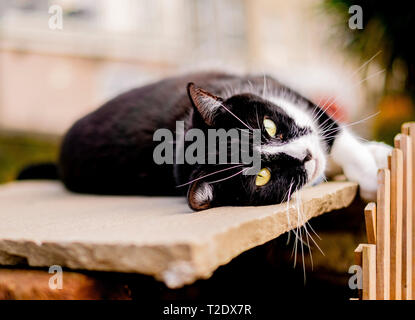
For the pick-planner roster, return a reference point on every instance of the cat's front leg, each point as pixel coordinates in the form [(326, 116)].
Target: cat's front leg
[(360, 161)]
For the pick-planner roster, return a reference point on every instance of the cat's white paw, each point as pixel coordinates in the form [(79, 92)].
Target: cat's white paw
[(368, 194), (368, 185), (380, 152), (360, 161), (368, 181)]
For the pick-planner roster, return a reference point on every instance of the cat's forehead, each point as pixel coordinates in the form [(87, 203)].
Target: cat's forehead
[(277, 107), (299, 114)]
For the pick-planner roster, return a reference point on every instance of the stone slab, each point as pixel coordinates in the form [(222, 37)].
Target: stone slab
[(41, 224)]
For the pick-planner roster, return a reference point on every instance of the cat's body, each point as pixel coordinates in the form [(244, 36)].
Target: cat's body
[(110, 151)]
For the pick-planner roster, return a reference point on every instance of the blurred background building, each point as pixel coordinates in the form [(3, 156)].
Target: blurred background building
[(49, 78)]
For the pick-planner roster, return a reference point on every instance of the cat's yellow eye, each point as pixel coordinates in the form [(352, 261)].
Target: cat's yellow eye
[(263, 177), (270, 127)]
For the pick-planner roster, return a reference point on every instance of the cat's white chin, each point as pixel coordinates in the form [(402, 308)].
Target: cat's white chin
[(315, 169)]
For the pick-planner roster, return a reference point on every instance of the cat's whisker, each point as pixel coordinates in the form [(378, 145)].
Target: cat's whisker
[(366, 63), (230, 163), (312, 229), (251, 86), (309, 236), (297, 238), (309, 247), (329, 127), (330, 134), (299, 224), (245, 130), (370, 76), (331, 131), (236, 116), (352, 75), (295, 249), (355, 85), (210, 174), (319, 109), (288, 207), (362, 120), (325, 107), (257, 118), (330, 117), (265, 87), (363, 139), (211, 182)]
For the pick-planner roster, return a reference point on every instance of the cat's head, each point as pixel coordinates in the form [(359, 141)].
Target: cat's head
[(292, 151)]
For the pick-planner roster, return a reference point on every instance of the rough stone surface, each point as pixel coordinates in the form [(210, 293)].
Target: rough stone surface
[(43, 225)]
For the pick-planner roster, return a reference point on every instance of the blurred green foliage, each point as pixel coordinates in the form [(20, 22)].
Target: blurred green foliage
[(20, 150), (387, 34), (388, 28)]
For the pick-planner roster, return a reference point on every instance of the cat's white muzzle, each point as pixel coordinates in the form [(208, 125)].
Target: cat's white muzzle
[(315, 167)]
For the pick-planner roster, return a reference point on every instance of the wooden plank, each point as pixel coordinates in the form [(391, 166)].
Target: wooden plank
[(409, 129), (396, 167), (369, 271), (402, 141), (383, 236), (370, 220)]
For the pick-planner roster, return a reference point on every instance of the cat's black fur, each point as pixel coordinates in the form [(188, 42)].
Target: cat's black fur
[(110, 151)]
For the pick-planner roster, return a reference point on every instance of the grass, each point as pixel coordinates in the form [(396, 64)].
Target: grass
[(18, 150)]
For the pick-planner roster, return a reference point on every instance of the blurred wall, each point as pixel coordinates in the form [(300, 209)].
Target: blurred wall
[(49, 78)]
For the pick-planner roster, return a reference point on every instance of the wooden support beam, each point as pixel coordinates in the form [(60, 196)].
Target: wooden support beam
[(396, 169), (370, 220), (383, 236)]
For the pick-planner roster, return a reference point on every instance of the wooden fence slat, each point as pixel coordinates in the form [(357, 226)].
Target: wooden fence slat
[(396, 164), (402, 141), (358, 260), (370, 221), (383, 236), (369, 271), (409, 129)]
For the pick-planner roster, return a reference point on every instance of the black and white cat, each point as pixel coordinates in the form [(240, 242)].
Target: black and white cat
[(110, 151)]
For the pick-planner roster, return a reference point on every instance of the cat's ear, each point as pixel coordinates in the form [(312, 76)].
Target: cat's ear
[(205, 103), (200, 195)]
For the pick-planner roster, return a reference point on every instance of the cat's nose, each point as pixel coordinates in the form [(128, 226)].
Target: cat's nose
[(308, 156)]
